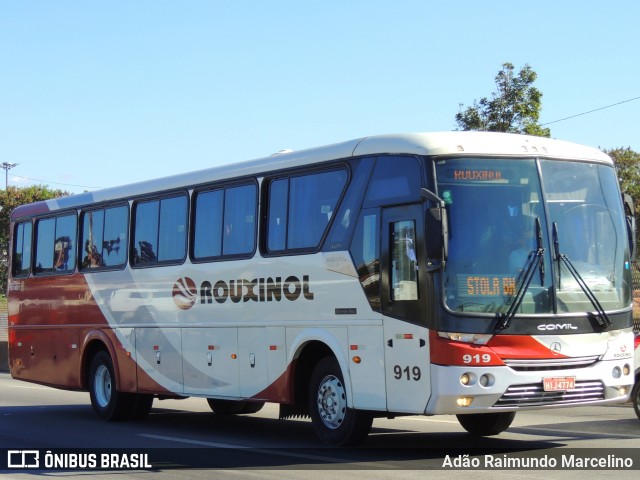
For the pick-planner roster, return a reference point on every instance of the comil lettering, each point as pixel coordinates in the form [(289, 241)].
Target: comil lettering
[(557, 326), (265, 289)]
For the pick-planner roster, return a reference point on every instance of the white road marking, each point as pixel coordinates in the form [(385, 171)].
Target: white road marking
[(266, 451)]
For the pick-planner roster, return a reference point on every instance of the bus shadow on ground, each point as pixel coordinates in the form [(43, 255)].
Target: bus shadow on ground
[(185, 439)]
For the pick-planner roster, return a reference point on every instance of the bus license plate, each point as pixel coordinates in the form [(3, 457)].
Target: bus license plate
[(555, 384)]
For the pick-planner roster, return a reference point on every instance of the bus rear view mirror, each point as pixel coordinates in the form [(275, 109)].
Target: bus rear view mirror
[(630, 215), (436, 221)]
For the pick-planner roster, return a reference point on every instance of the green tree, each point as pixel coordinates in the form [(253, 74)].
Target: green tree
[(514, 107), (627, 163), (11, 198)]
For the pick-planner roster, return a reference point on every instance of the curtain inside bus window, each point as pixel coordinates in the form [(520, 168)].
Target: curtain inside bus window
[(172, 236), (277, 226), (114, 241), (239, 220), (312, 201), (92, 238), (65, 248), (146, 233), (207, 239)]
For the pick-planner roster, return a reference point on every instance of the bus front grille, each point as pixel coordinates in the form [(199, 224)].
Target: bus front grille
[(523, 365), (533, 395)]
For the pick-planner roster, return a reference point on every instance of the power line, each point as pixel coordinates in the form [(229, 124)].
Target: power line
[(56, 183), (591, 111)]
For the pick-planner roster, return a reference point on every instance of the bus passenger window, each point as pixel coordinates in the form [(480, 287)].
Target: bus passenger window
[(365, 251), (160, 231), (301, 208), (395, 180), (104, 235), (146, 233), (225, 222), (55, 244), (22, 249), (239, 220), (92, 226), (277, 230), (404, 264)]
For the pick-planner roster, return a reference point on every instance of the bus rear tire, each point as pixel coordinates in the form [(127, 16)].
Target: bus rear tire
[(108, 403), (486, 424), (333, 421)]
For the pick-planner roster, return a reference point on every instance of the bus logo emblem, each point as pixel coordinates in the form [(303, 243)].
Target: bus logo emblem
[(185, 293)]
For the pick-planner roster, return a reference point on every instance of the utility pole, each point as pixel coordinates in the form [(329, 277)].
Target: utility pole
[(6, 166)]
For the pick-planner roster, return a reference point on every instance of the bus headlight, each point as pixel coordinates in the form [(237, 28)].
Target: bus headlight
[(473, 338)]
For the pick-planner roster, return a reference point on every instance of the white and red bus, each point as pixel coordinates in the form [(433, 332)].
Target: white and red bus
[(475, 274)]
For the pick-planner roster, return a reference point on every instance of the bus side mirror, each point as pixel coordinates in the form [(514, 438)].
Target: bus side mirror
[(629, 212), (436, 221)]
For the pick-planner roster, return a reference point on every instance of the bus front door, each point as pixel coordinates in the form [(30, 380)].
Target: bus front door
[(402, 300)]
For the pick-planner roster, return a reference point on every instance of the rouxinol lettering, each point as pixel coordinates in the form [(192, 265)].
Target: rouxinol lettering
[(257, 290)]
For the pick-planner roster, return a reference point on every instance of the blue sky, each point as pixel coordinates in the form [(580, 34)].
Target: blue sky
[(101, 93)]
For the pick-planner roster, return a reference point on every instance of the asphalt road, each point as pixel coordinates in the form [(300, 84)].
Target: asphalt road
[(189, 441)]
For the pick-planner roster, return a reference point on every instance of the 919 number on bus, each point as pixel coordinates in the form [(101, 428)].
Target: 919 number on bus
[(477, 358), (411, 373)]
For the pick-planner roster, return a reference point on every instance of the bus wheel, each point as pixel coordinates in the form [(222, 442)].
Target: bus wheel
[(107, 402), (334, 422), (635, 396), (233, 407), (486, 424)]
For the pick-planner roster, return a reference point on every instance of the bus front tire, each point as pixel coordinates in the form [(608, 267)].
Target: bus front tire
[(635, 397), (333, 421), (108, 403), (486, 424)]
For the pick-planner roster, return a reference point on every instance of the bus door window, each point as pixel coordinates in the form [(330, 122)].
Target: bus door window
[(402, 261), (404, 264)]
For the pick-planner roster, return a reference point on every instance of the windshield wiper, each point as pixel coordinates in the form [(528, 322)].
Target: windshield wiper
[(603, 319), (535, 259)]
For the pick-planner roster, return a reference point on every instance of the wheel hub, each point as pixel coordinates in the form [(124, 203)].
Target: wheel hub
[(332, 402), (102, 384)]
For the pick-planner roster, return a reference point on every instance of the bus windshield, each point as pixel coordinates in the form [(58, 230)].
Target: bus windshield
[(505, 212)]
